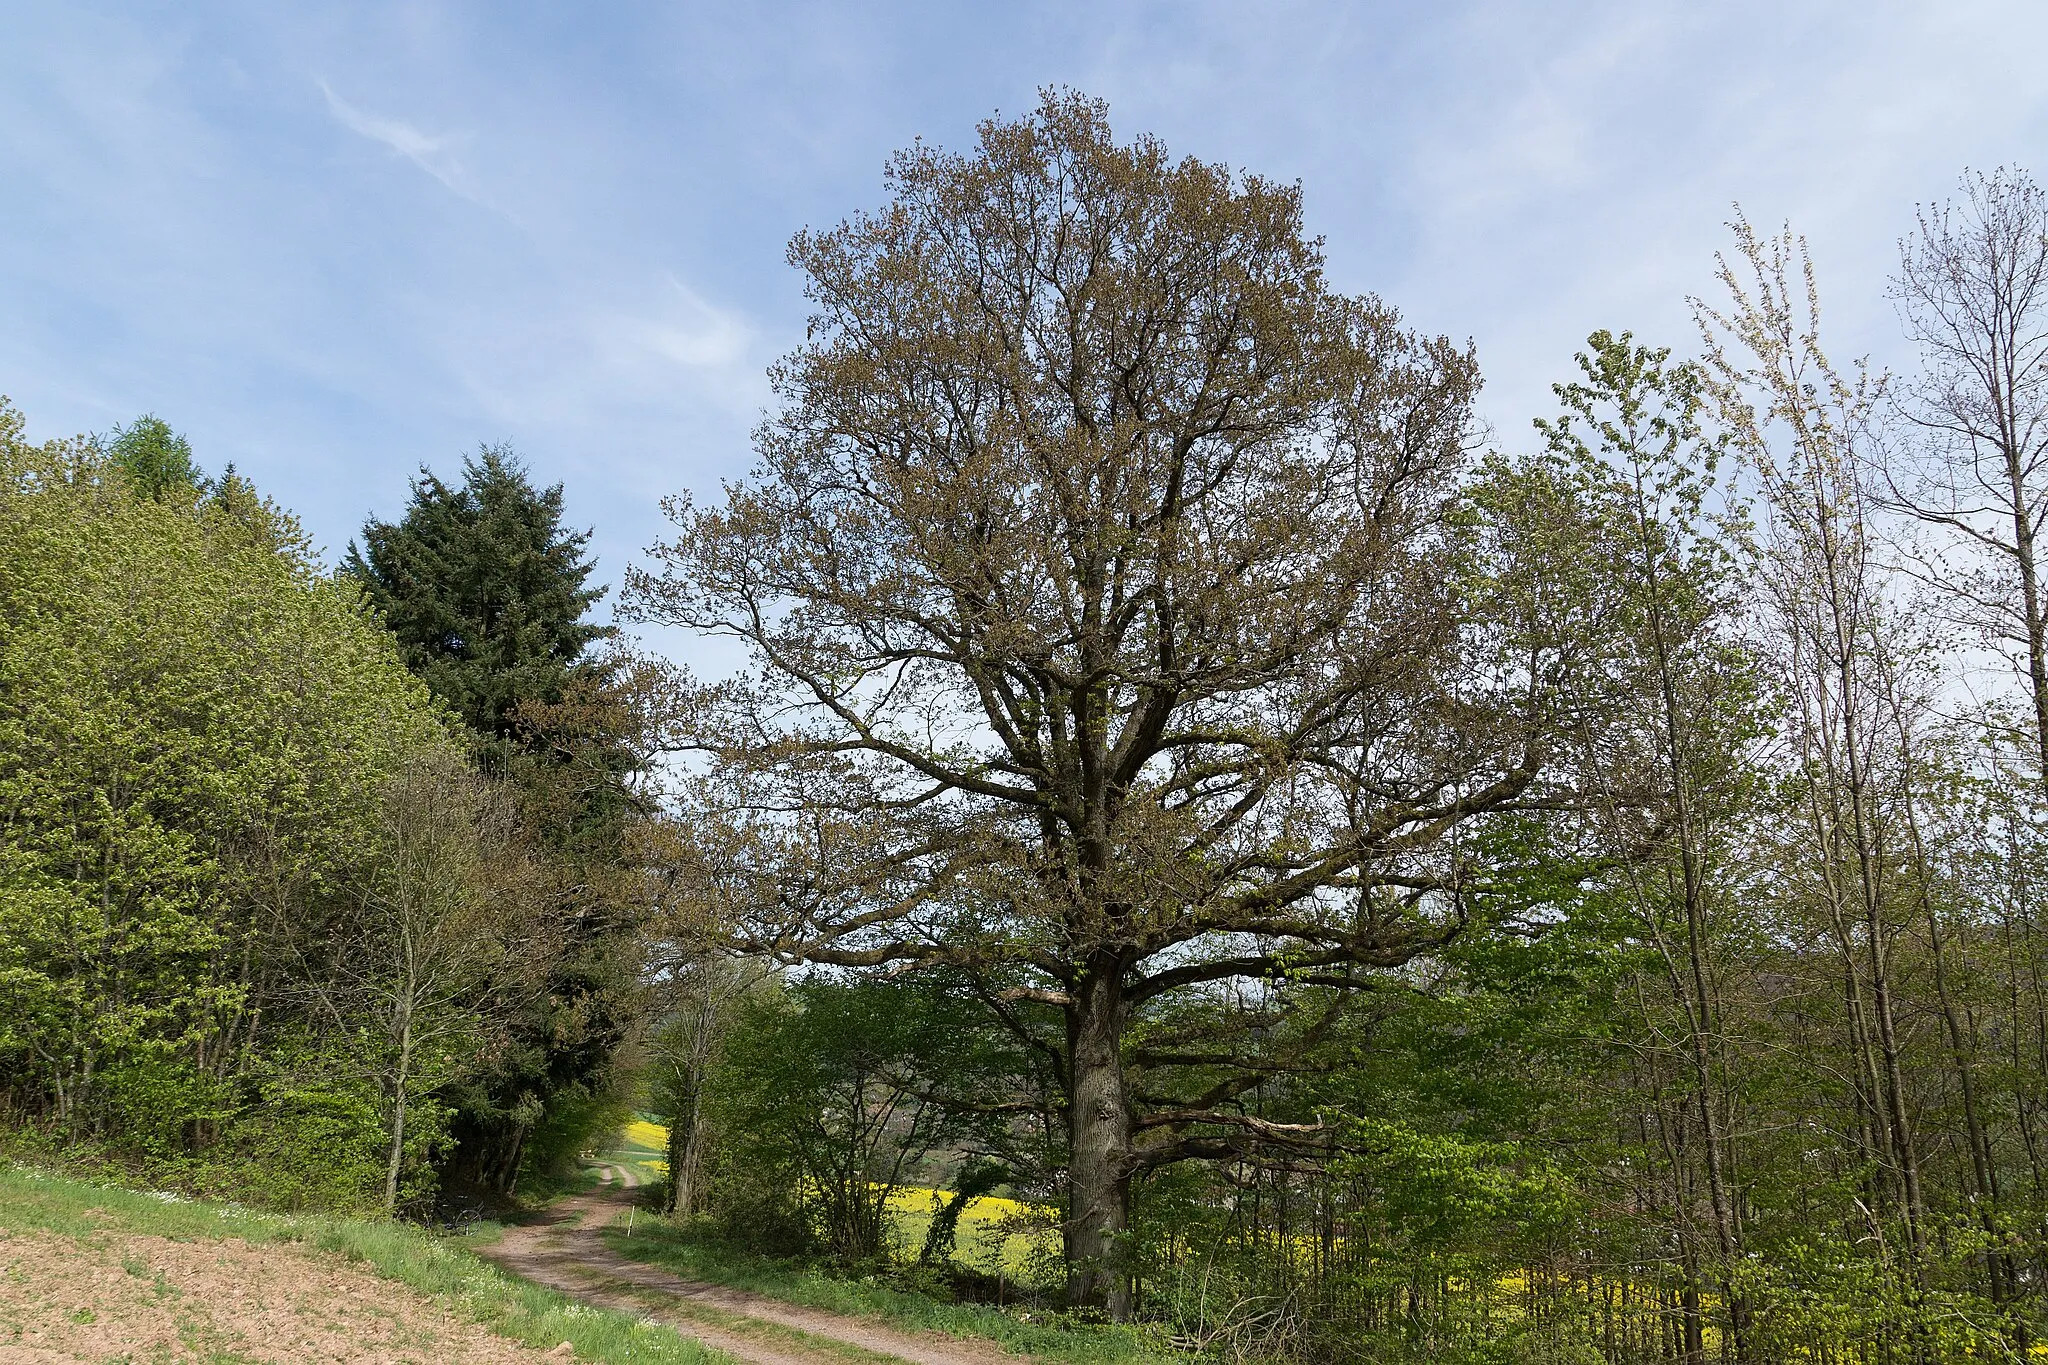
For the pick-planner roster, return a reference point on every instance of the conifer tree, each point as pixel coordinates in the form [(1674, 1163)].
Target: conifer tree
[(155, 458), (489, 596), (485, 590)]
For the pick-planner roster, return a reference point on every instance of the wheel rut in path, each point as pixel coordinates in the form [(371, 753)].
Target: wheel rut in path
[(566, 1252)]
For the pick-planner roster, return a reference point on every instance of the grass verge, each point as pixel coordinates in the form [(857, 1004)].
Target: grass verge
[(435, 1266), (1043, 1335)]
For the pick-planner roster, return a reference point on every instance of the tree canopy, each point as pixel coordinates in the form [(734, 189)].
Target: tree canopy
[(198, 728)]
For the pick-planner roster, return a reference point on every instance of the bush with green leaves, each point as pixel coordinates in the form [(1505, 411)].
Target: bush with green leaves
[(198, 729), (829, 1096)]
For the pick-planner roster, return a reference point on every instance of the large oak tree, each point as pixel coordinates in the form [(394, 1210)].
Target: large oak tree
[(1109, 598)]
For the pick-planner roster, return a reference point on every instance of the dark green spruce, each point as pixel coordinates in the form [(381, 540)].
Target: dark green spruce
[(486, 591), (490, 598)]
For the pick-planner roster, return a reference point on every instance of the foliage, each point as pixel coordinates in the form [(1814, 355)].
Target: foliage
[(833, 1094), (198, 733), (483, 588), (156, 461)]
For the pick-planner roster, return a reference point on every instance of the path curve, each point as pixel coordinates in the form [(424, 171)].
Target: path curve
[(566, 1252)]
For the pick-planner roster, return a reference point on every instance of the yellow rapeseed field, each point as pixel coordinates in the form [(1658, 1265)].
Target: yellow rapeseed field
[(1006, 1235), (995, 1235), (652, 1136), (644, 1146)]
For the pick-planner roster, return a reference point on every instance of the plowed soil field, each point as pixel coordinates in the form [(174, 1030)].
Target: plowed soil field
[(113, 1296)]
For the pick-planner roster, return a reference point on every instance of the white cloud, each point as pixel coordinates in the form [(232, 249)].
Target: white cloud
[(433, 153), (696, 334)]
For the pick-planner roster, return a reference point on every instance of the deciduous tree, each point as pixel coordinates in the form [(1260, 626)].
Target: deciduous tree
[(1110, 612), (1973, 290)]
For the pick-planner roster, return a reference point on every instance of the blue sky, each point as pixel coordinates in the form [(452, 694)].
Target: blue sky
[(332, 242)]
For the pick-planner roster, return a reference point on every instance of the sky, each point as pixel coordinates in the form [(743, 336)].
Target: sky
[(333, 242)]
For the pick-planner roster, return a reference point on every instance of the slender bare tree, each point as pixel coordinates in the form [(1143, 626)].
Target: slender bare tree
[(1972, 289), (1808, 430), (439, 945)]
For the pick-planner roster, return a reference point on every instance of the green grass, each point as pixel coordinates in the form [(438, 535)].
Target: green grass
[(1035, 1332), (439, 1267)]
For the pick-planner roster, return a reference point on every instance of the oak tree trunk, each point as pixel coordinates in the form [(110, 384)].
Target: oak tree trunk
[(1099, 1127)]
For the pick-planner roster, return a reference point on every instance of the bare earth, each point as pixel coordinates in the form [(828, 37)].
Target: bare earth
[(122, 1297), (567, 1254)]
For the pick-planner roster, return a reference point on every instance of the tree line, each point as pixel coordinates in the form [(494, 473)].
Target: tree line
[(1366, 890), (312, 883)]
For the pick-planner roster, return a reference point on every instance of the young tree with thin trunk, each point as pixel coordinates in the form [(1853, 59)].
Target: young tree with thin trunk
[(443, 929), (699, 996), (1630, 442), (1972, 288), (1807, 431), (1107, 591)]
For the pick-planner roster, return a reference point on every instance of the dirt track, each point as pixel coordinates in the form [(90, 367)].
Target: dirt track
[(566, 1253)]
